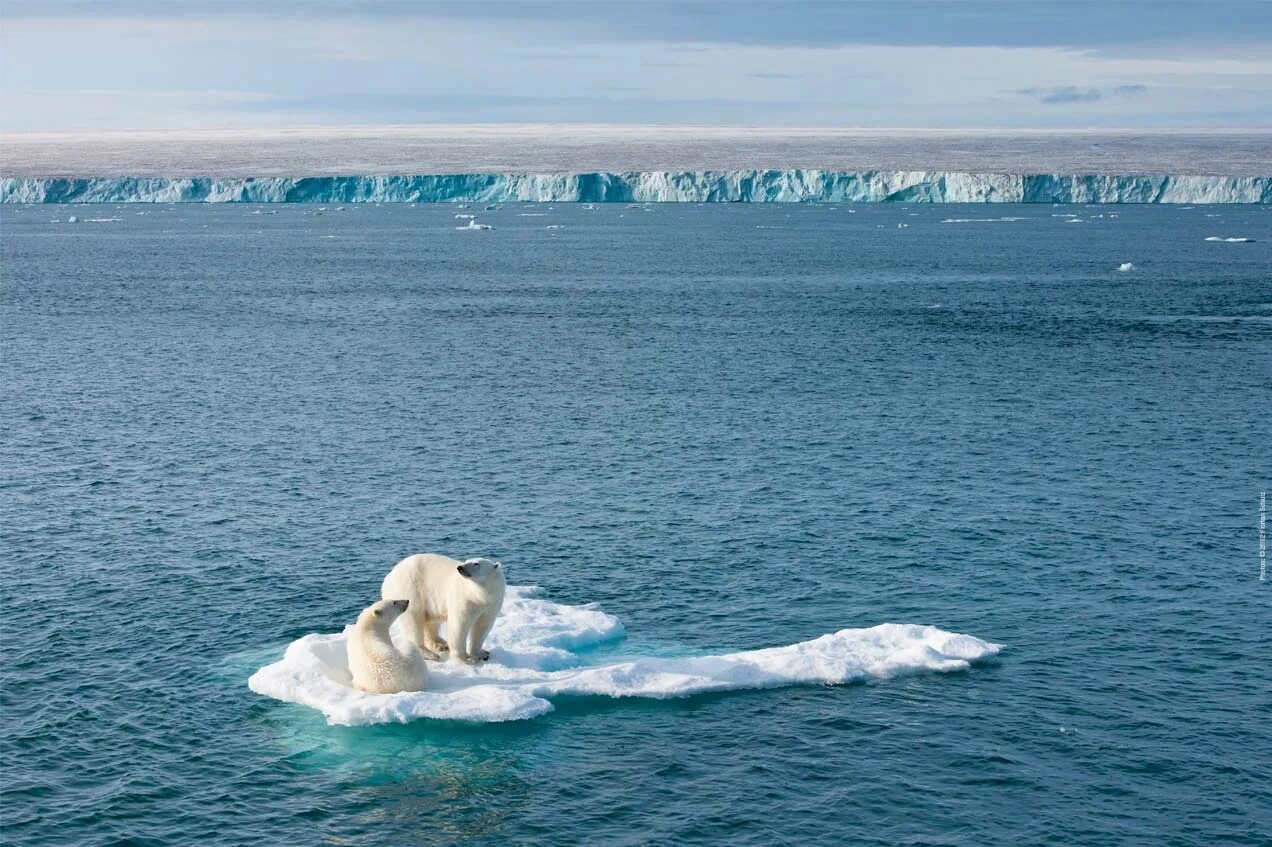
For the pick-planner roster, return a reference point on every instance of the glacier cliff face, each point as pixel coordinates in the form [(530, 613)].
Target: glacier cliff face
[(763, 186)]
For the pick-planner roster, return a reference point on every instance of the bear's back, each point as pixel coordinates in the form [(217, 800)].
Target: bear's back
[(422, 579), (378, 666)]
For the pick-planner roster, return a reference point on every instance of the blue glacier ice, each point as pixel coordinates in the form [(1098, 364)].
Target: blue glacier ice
[(733, 186)]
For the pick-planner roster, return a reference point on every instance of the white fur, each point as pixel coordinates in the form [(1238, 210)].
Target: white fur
[(375, 663), (466, 596)]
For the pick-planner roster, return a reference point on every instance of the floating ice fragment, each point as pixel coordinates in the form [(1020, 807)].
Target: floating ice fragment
[(473, 225), (980, 220), (535, 656), (1231, 240), (1126, 267)]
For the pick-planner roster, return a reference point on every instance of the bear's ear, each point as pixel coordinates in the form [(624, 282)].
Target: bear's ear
[(377, 612)]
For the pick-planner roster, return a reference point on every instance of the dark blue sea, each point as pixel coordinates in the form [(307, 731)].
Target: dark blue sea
[(731, 426)]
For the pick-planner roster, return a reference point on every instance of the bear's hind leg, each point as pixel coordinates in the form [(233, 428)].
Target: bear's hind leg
[(419, 633), (433, 637)]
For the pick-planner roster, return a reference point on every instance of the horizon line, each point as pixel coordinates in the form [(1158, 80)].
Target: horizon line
[(620, 128)]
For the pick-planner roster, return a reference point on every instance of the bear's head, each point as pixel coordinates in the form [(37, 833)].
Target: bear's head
[(383, 613), (480, 569)]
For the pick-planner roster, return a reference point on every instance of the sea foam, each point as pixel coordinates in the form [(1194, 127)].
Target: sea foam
[(538, 651)]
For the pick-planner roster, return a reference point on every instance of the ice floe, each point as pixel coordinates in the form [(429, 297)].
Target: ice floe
[(539, 650)]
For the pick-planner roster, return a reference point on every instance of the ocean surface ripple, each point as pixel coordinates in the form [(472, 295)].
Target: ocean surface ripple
[(732, 427)]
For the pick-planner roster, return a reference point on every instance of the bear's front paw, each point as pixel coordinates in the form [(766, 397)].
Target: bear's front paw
[(442, 646), (483, 655)]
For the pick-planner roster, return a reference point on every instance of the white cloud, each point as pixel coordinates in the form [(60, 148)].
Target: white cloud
[(237, 71)]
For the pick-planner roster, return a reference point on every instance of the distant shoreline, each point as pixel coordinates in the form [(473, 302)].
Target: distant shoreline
[(575, 149), (701, 186)]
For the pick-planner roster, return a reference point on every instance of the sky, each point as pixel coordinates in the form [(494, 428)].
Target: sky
[(196, 64)]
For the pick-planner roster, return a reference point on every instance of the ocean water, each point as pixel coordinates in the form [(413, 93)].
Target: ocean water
[(731, 427)]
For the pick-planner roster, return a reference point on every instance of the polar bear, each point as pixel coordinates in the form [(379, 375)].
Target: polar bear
[(466, 596), (375, 663)]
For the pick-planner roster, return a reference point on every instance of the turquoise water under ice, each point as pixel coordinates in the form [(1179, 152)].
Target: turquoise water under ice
[(732, 427)]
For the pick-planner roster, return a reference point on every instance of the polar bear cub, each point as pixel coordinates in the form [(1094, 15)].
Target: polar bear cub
[(375, 663), (466, 596)]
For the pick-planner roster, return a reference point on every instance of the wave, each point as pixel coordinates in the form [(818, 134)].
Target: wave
[(535, 655), (757, 186)]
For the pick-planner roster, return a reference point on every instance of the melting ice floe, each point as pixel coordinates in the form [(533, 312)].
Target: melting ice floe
[(1126, 267), (534, 657), (1230, 240)]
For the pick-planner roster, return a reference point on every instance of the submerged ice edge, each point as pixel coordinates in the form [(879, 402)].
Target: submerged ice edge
[(748, 186), (533, 661)]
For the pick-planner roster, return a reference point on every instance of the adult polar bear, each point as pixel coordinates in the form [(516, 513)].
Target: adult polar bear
[(466, 596)]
